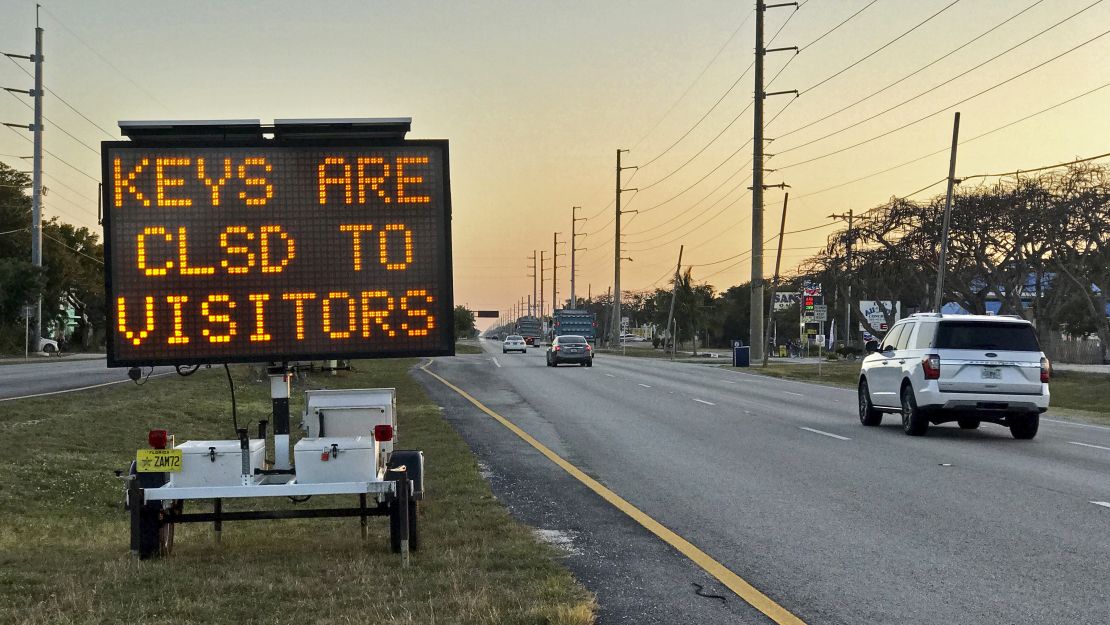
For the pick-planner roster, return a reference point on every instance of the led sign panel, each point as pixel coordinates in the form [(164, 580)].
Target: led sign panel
[(269, 253)]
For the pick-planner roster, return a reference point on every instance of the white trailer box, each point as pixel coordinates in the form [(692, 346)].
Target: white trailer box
[(350, 412), (215, 463), (336, 459)]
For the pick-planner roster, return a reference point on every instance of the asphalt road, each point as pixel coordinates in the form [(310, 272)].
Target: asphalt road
[(778, 481), (54, 375)]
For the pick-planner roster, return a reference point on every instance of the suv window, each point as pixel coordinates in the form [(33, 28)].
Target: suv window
[(571, 340), (926, 332), (1001, 336), (891, 337), (903, 340)]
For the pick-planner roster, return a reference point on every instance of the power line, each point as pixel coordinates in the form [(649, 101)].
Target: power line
[(14, 231), (63, 101), (74, 168), (705, 197), (907, 76), (695, 81), (1029, 171), (55, 125), (688, 233), (822, 36), (73, 249), (699, 152), (949, 107), (698, 181), (882, 47), (104, 59), (938, 86), (946, 149)]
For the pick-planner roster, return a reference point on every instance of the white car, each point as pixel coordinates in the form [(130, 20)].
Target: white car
[(512, 343), (934, 368)]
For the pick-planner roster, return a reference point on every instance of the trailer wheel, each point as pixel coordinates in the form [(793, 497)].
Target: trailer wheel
[(155, 532), (395, 526)]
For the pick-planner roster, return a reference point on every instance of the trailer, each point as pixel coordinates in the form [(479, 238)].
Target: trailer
[(348, 450)]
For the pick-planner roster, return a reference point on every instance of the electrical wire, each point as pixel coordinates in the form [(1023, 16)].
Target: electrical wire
[(63, 101), (962, 142), (1035, 169), (699, 180), (54, 124), (906, 77), (72, 249), (949, 107), (51, 154), (703, 149), (695, 81), (882, 47), (668, 223), (822, 36), (939, 85), (692, 219), (234, 410)]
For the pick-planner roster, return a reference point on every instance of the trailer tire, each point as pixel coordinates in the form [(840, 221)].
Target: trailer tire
[(155, 532)]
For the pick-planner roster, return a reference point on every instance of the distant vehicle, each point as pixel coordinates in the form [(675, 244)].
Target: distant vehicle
[(570, 348), (934, 368), (568, 321), (531, 328), (514, 342), (627, 337), (48, 346)]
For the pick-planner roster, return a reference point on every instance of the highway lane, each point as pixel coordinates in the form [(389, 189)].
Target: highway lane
[(838, 523), (52, 376)]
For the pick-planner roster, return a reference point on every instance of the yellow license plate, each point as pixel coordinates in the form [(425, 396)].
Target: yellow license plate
[(158, 460)]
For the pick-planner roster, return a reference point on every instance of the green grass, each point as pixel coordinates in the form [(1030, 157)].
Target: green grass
[(64, 535), (1074, 393), (467, 348)]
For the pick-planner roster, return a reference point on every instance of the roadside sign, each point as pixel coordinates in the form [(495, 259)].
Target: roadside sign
[(820, 312), (624, 323), (873, 312), (487, 314), (784, 301), (28, 311), (267, 251)]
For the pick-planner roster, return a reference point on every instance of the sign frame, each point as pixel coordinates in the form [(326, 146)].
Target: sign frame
[(444, 308)]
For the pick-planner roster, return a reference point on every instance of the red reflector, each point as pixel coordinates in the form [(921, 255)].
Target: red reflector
[(158, 439), (931, 366), (383, 433), (325, 456), (1046, 370)]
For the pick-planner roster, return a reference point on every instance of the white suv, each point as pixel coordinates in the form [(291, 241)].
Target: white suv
[(934, 368)]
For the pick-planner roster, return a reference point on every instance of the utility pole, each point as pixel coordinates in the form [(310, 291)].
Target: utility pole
[(616, 320), (938, 300), (756, 327), (36, 174), (555, 271), (541, 285), (847, 274), (574, 219), (775, 281), (674, 291), (533, 276)]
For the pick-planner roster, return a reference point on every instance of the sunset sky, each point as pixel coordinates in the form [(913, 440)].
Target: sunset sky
[(536, 97)]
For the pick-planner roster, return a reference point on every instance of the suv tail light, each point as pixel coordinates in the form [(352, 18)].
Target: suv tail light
[(931, 366), (1046, 369), (555, 349), (158, 439)]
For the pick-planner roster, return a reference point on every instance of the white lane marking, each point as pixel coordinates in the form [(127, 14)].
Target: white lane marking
[(702, 401), (793, 393), (728, 382), (495, 362), (1104, 504), (645, 385), (1088, 445), (610, 375), (1078, 425), (829, 434), (83, 388)]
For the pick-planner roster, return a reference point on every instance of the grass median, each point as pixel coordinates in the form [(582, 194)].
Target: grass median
[(1074, 393), (64, 535)]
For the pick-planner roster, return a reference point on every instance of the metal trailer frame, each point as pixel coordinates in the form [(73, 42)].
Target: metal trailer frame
[(152, 520)]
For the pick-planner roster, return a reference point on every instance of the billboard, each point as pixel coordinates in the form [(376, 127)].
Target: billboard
[(871, 311), (266, 252)]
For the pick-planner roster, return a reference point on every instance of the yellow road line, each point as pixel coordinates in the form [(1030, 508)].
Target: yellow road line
[(734, 582)]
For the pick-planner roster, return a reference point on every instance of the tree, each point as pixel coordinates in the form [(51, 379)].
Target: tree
[(464, 323)]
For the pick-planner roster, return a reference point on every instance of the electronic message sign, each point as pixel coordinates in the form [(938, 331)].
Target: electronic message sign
[(268, 252)]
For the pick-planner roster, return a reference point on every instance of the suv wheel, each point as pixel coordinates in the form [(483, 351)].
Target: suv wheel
[(914, 422), (1023, 427), (868, 415), (968, 424)]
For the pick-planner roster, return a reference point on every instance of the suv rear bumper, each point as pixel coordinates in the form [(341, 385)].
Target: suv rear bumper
[(980, 404)]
